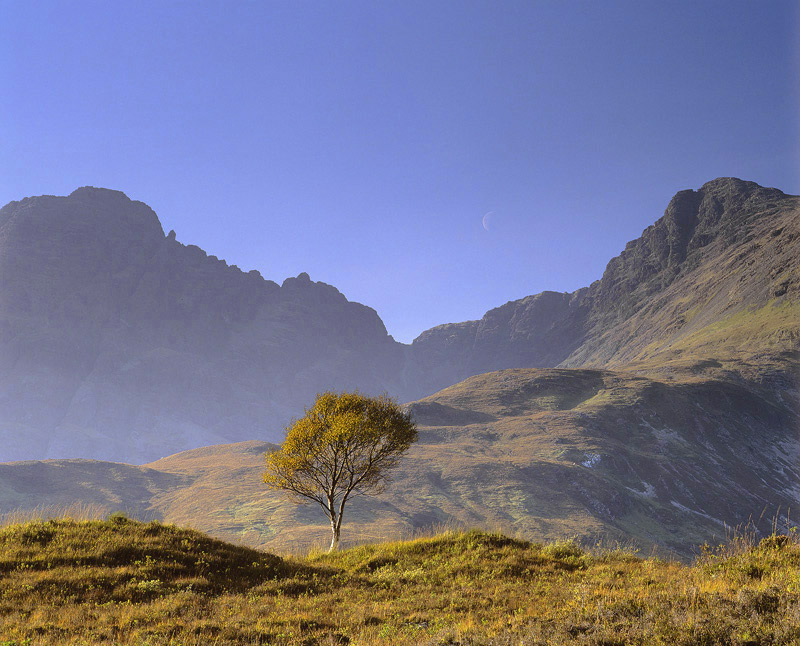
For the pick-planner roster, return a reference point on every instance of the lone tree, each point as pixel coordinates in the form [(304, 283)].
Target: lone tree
[(343, 446)]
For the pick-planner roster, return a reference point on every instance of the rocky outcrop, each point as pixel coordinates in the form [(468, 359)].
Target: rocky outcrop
[(714, 254), (539, 330), (724, 210)]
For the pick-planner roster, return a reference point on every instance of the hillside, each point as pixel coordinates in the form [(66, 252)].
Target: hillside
[(672, 462), (125, 582), (117, 342)]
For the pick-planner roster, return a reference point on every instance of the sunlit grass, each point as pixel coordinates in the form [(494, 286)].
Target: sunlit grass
[(75, 511), (126, 582)]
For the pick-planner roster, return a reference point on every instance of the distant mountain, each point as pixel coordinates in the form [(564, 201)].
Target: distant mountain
[(660, 404), (118, 342), (717, 279)]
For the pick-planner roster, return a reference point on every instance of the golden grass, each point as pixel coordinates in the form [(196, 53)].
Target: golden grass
[(75, 511), (125, 582)]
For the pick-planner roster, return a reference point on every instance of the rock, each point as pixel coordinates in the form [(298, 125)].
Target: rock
[(709, 256)]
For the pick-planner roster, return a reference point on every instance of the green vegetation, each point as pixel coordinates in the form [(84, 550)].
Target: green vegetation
[(773, 326), (120, 581), (762, 335), (344, 445)]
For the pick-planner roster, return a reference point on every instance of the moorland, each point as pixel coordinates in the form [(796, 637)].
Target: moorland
[(125, 582)]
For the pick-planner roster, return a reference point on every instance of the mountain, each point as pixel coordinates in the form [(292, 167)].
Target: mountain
[(716, 279), (660, 404), (118, 342)]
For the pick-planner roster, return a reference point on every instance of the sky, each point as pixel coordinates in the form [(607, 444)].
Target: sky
[(365, 142)]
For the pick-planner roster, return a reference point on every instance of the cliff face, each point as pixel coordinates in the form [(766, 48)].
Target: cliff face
[(732, 248), (729, 248), (537, 330), (119, 342)]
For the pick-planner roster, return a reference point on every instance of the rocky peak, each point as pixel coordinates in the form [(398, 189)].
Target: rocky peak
[(722, 209), (87, 216), (303, 289), (110, 329), (301, 281), (679, 221), (733, 187), (116, 208), (647, 294), (106, 195)]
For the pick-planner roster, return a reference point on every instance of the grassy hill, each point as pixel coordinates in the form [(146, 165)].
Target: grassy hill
[(124, 582), (671, 460)]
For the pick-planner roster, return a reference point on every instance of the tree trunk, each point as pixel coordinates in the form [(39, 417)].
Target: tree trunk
[(335, 538)]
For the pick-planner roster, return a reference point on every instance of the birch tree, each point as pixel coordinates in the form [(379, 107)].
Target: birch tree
[(343, 446)]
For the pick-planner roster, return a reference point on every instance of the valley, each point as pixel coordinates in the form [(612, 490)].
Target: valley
[(658, 405)]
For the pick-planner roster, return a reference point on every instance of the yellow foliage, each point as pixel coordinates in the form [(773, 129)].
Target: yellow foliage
[(345, 444)]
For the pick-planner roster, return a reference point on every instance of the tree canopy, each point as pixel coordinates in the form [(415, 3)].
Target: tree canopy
[(344, 445)]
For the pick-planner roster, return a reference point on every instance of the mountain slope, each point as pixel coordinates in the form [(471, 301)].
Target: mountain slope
[(685, 290), (118, 342), (545, 453)]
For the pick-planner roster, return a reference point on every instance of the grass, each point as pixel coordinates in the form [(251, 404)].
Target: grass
[(752, 333), (773, 324), (121, 581), (74, 511), (526, 436)]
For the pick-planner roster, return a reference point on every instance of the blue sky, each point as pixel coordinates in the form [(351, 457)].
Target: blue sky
[(363, 142)]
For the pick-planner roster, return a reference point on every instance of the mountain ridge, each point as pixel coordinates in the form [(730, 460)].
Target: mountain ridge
[(553, 329), (100, 309), (119, 342)]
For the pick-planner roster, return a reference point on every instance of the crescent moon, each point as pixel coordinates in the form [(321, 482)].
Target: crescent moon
[(486, 218)]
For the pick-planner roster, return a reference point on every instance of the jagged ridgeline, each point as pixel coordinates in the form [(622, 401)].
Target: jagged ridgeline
[(119, 342), (714, 283)]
